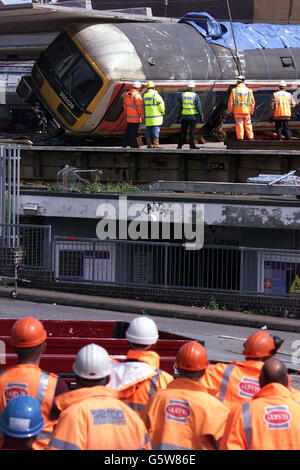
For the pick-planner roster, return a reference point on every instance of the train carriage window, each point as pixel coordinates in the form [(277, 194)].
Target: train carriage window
[(79, 80), (287, 62)]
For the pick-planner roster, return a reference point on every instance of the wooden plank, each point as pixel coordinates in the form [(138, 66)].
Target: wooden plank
[(263, 144)]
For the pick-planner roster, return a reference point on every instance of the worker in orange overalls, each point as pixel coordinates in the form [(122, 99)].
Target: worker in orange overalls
[(241, 103), (281, 111), (92, 417), (28, 337), (134, 110), (237, 382), (184, 416), (271, 420), (139, 376)]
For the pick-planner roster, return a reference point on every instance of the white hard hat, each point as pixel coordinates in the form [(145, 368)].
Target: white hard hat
[(142, 330), (282, 83), (92, 362), (241, 78), (191, 84), (137, 84)]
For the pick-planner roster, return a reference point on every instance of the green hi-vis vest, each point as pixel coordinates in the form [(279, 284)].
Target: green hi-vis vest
[(154, 108), (189, 103)]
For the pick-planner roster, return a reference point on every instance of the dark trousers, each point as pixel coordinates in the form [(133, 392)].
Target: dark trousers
[(131, 133), (282, 127), (185, 125)]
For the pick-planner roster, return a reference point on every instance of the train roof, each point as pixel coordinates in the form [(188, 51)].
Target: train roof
[(28, 17)]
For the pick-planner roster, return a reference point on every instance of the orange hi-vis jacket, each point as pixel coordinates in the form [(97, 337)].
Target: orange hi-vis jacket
[(241, 100), (138, 378), (233, 383), (184, 417), (270, 421), (236, 383), (134, 106), (281, 104), (29, 379), (94, 419)]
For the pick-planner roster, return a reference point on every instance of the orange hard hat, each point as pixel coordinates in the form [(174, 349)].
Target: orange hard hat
[(27, 333), (261, 344), (192, 356)]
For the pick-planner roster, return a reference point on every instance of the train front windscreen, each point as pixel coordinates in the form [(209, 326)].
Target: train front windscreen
[(69, 73)]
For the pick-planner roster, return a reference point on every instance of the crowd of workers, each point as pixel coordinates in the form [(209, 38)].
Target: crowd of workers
[(150, 107), (134, 405)]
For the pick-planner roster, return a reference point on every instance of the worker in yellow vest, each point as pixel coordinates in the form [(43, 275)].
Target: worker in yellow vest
[(154, 110), (241, 104), (189, 108), (281, 111)]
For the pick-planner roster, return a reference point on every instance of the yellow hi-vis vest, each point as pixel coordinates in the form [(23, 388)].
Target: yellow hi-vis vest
[(154, 108), (189, 103), (283, 104)]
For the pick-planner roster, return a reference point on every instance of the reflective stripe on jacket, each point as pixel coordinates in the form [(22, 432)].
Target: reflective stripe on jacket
[(241, 100), (138, 378), (281, 105), (29, 379), (133, 106), (154, 108), (270, 421), (184, 417), (94, 419), (233, 383), (189, 103)]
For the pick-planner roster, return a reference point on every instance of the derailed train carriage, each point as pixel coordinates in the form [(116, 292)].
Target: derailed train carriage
[(79, 81)]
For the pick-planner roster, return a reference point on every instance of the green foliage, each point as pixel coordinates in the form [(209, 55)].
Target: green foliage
[(97, 187), (213, 305)]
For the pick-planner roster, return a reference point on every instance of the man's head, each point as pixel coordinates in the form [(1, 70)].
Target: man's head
[(92, 366), (137, 85), (28, 337), (150, 84), (22, 418), (282, 85), (273, 370), (191, 85), (261, 346), (142, 333), (240, 79), (191, 360)]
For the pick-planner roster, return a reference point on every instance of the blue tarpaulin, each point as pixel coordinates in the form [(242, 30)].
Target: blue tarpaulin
[(247, 36)]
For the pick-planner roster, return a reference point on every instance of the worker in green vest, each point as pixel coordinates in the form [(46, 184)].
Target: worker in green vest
[(189, 108), (154, 110)]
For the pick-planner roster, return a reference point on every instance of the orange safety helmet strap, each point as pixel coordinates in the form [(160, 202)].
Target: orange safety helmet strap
[(27, 333), (192, 356)]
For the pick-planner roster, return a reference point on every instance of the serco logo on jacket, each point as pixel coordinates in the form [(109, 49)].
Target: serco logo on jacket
[(94, 418)]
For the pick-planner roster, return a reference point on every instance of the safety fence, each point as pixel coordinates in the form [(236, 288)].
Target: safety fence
[(171, 265), (29, 246), (91, 262)]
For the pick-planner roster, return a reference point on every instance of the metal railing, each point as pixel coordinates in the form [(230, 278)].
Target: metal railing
[(170, 265), (9, 193), (29, 246)]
